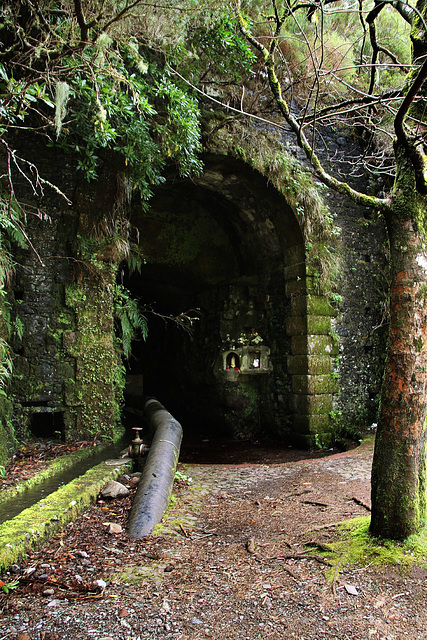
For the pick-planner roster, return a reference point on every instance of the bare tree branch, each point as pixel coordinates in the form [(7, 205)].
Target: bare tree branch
[(416, 154), (382, 204), (81, 20)]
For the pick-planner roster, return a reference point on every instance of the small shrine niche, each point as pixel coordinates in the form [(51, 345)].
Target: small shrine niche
[(232, 361), (255, 360), (247, 360)]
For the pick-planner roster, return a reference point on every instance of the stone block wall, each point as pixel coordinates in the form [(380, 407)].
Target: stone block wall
[(310, 360), (361, 322), (66, 366)]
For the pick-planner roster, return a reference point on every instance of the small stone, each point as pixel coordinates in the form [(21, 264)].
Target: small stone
[(48, 592), (125, 624), (54, 603), (351, 589), (114, 489), (113, 527), (196, 621), (100, 583), (81, 554), (123, 613), (250, 545), (166, 608)]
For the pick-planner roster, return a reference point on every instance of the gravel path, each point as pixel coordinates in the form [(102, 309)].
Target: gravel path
[(227, 563)]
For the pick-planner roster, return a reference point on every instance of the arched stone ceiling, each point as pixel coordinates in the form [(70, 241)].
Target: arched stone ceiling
[(227, 224)]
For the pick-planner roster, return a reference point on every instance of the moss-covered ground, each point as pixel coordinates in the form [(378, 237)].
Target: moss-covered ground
[(354, 546)]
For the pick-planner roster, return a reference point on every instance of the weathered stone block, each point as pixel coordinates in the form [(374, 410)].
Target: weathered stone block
[(295, 271), (296, 326), (304, 423), (312, 325), (311, 404), (299, 305), (302, 285), (314, 384), (312, 345), (311, 305), (295, 254), (318, 325), (295, 287), (314, 365)]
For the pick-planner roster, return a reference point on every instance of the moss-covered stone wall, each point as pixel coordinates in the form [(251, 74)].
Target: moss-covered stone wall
[(92, 396), (67, 372), (250, 245)]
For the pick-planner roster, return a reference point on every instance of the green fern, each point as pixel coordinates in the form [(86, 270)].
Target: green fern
[(11, 232), (10, 216), (131, 322)]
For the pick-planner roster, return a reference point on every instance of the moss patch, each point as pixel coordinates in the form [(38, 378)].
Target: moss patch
[(93, 394), (40, 521), (7, 439), (356, 547)]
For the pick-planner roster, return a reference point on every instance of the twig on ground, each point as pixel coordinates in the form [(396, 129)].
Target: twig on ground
[(361, 503), (330, 525), (334, 581), (301, 556)]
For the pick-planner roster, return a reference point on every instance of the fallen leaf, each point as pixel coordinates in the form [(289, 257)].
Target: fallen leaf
[(250, 545)]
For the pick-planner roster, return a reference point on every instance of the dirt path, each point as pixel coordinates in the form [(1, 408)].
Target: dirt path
[(230, 562)]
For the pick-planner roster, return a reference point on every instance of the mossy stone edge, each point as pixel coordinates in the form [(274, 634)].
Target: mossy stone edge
[(56, 466), (31, 527)]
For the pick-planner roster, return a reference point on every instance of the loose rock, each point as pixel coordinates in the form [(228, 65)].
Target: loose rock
[(113, 528), (114, 489)]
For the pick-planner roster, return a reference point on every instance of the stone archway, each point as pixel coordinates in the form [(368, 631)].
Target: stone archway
[(229, 244)]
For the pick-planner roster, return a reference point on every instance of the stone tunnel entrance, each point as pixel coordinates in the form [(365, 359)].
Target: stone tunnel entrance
[(228, 246)]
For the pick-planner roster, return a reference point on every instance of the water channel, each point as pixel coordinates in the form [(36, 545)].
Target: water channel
[(11, 508)]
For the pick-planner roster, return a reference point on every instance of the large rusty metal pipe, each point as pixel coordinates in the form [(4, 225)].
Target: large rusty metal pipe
[(155, 486)]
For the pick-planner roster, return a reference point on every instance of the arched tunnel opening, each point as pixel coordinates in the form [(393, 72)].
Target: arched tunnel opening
[(212, 290)]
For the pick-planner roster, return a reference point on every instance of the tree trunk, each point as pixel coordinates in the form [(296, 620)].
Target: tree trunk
[(399, 466)]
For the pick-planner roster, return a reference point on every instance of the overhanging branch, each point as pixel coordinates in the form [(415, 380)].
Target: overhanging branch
[(382, 204)]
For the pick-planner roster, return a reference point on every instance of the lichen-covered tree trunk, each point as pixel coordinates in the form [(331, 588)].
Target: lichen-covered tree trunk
[(399, 466)]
